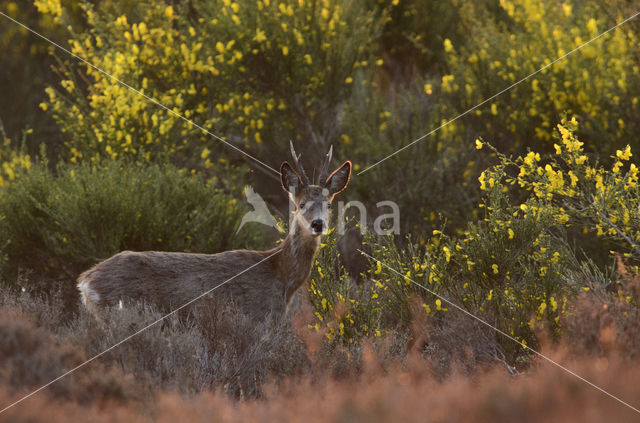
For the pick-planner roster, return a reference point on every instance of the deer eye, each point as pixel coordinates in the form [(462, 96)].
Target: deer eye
[(302, 205)]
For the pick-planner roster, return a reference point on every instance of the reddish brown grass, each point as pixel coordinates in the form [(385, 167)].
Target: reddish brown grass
[(364, 384)]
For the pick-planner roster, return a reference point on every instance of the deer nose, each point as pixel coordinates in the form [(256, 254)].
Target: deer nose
[(317, 225)]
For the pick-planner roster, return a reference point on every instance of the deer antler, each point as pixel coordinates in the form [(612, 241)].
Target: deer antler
[(299, 168), (325, 167)]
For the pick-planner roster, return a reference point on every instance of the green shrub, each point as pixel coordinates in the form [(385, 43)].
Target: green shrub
[(57, 224), (418, 179), (414, 33), (346, 311)]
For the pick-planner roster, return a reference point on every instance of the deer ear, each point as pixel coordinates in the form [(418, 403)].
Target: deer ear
[(290, 179), (339, 179)]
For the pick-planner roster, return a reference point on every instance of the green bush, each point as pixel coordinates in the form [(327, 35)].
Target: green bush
[(413, 35), (418, 179), (57, 224), (346, 311)]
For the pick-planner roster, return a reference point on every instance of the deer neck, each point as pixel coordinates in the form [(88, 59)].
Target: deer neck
[(298, 251)]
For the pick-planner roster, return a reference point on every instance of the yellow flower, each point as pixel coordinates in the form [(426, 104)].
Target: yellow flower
[(558, 149), (447, 253), (446, 82), (531, 157), (624, 155), (616, 166), (448, 47), (260, 36), (482, 181), (495, 268), (68, 85), (479, 144), (554, 304)]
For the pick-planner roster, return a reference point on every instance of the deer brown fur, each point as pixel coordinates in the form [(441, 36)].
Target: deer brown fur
[(170, 280)]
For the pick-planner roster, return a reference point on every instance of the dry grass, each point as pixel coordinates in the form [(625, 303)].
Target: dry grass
[(213, 365)]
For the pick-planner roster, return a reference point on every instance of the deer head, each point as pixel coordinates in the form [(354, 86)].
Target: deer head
[(313, 201)]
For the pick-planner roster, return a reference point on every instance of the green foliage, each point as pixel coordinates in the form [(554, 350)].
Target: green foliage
[(418, 179), (414, 33), (506, 268), (58, 224), (346, 311)]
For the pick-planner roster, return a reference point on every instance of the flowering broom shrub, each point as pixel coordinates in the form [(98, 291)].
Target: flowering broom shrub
[(599, 200), (346, 311), (600, 83), (25, 67), (13, 161), (414, 33), (258, 72), (516, 266)]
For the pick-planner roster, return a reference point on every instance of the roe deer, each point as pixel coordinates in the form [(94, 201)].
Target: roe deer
[(170, 280)]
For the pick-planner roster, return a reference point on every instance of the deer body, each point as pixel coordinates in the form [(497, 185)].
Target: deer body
[(169, 280)]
